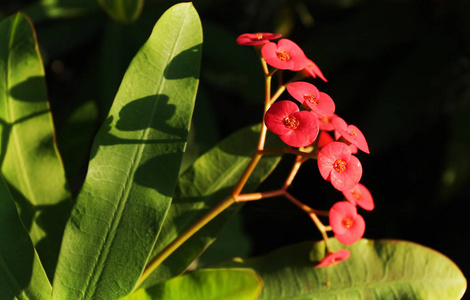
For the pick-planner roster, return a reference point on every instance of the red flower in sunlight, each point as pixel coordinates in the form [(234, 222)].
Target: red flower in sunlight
[(295, 128), (313, 70), (334, 258), (307, 94), (325, 122), (259, 38), (360, 195), (347, 225), (351, 133), (336, 164), (285, 55)]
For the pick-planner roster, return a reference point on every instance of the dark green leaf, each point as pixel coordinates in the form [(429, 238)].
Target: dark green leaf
[(207, 284), (200, 188), (53, 9), (125, 11), (383, 269), (135, 161), (21, 273), (29, 159)]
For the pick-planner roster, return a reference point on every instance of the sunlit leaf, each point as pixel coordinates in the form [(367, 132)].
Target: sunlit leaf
[(207, 284), (382, 269), (202, 187), (134, 165), (21, 273), (29, 159)]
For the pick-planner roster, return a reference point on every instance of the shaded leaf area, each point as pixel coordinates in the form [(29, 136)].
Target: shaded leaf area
[(202, 187), (29, 159), (21, 273), (207, 284), (125, 11), (134, 165), (382, 269), (44, 10)]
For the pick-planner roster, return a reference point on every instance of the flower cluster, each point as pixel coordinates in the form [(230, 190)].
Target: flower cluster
[(310, 124)]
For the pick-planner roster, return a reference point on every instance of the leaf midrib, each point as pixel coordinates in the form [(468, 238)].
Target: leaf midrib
[(91, 287)]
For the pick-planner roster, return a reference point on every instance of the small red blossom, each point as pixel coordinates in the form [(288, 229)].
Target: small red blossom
[(307, 94), (350, 133), (285, 55), (295, 128), (336, 164), (313, 70), (360, 195), (347, 225), (254, 39), (334, 258)]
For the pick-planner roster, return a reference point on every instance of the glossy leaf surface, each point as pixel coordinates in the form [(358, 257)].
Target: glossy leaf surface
[(207, 284), (200, 188), (134, 165), (382, 269), (21, 272), (29, 159), (125, 11)]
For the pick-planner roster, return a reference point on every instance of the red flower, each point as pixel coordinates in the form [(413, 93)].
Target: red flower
[(360, 195), (336, 164), (351, 133), (259, 38), (334, 258), (347, 225), (313, 70), (286, 55), (295, 128), (307, 94)]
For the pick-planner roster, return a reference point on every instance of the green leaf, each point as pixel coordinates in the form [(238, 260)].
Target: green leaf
[(21, 272), (125, 11), (29, 159), (135, 161), (382, 269), (202, 187), (207, 284)]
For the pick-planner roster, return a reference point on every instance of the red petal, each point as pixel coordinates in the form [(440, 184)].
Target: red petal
[(329, 154), (305, 134), (360, 195), (300, 89), (354, 233), (338, 212), (334, 258), (314, 70), (276, 114)]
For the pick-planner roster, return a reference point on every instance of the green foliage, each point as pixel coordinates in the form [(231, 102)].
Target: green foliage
[(21, 273), (134, 164), (29, 159), (383, 269), (206, 284), (202, 187), (125, 11)]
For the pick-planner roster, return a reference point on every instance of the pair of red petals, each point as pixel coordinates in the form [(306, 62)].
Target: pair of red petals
[(348, 226)]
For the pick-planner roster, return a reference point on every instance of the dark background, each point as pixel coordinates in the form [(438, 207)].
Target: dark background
[(399, 70)]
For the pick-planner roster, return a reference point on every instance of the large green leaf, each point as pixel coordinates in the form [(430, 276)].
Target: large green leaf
[(125, 11), (207, 284), (200, 188), (29, 159), (21, 272), (135, 161), (382, 269)]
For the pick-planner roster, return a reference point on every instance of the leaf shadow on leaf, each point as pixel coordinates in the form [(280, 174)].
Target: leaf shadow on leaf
[(6, 128), (29, 90), (177, 68), (49, 218)]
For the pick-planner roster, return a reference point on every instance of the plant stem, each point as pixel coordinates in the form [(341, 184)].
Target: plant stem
[(184, 237)]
